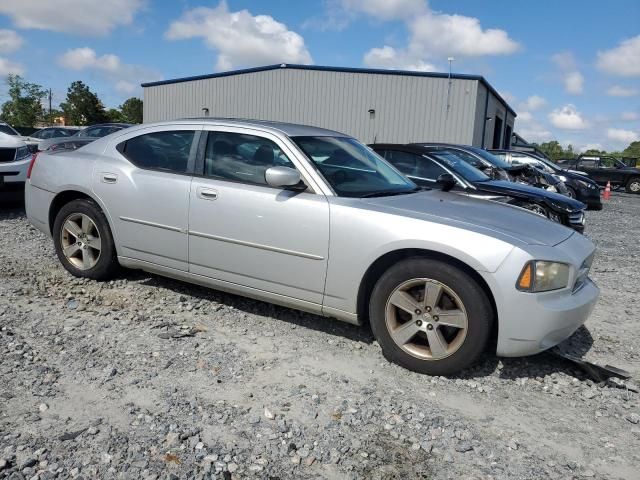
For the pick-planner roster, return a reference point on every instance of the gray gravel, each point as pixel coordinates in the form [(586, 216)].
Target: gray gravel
[(145, 377)]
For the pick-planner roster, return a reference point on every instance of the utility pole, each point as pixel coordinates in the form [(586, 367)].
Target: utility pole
[(50, 116)]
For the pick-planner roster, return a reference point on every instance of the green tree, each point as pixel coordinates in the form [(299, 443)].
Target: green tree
[(633, 150), (82, 106), (552, 149), (132, 110), (115, 115), (24, 109)]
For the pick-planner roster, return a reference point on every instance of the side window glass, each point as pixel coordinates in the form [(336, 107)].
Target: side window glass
[(428, 169), (403, 161), (589, 163), (168, 151), (242, 158)]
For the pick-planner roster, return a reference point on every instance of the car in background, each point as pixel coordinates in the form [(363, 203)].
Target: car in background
[(432, 167), (580, 187), (603, 169), (63, 143), (101, 129), (500, 170), (15, 157), (313, 219), (9, 130), (51, 132)]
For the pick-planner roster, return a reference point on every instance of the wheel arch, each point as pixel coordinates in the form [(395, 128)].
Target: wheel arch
[(382, 263)]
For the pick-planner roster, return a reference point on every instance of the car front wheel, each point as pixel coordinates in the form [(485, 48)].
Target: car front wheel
[(633, 185), (430, 316), (83, 240)]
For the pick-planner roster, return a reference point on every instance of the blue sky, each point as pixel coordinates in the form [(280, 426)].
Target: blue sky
[(570, 68)]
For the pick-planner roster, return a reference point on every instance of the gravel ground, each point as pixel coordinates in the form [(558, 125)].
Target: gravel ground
[(145, 377)]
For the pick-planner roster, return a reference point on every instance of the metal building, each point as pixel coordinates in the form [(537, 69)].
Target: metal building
[(369, 104)]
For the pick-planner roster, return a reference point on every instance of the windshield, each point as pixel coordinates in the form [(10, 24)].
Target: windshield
[(352, 169), (455, 161), (489, 157), (8, 130)]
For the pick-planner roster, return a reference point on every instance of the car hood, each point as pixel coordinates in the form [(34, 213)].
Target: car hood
[(555, 201), (486, 217), (10, 141)]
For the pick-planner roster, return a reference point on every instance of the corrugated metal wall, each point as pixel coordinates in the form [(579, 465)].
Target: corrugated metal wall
[(407, 108)]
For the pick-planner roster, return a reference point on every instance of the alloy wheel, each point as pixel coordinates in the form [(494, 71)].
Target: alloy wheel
[(426, 319), (80, 241), (635, 186), (535, 208)]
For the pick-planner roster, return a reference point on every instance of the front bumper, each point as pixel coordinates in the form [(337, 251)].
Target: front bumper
[(15, 172), (590, 197), (529, 323)]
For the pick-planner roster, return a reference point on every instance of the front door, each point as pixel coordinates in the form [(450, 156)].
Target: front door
[(147, 190), (247, 233)]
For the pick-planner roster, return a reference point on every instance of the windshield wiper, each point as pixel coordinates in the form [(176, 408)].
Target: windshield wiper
[(390, 193)]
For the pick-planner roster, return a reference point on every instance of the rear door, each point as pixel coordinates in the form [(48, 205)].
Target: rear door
[(146, 186), (243, 231)]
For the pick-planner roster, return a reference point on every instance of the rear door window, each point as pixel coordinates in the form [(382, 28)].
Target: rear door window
[(167, 150)]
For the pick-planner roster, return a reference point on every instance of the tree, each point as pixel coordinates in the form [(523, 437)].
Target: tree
[(633, 150), (132, 110), (553, 150), (115, 115), (24, 108), (82, 106)]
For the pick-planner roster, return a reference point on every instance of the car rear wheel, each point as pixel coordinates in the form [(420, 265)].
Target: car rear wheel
[(633, 185), (429, 316), (83, 240)]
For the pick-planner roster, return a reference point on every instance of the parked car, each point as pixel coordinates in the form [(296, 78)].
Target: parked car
[(312, 219), (426, 167), (605, 169), (101, 129), (14, 161), (579, 187), (64, 143), (9, 130), (500, 170), (51, 132)]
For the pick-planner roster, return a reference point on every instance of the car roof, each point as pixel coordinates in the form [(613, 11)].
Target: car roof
[(289, 129)]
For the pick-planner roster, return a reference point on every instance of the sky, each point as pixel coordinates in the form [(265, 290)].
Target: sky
[(569, 68)]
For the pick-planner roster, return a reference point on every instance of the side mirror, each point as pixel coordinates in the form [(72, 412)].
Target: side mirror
[(446, 182), (284, 177)]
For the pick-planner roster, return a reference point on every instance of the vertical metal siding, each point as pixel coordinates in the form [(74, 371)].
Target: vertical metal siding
[(407, 109)]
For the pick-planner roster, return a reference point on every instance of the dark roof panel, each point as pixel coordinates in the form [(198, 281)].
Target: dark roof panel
[(378, 71)]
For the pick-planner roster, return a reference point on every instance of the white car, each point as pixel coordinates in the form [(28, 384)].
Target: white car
[(14, 160)]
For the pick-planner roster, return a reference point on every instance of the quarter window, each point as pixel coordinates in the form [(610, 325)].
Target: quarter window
[(159, 150), (242, 158)]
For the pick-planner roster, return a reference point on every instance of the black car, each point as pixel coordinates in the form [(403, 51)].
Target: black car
[(579, 186), (101, 129), (605, 169), (446, 167), (500, 170)]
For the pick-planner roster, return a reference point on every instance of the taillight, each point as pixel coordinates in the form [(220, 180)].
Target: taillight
[(31, 164)]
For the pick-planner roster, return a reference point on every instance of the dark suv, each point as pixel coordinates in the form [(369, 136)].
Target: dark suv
[(605, 169)]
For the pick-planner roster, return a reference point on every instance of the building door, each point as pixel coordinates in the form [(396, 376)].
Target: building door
[(497, 132), (507, 137)]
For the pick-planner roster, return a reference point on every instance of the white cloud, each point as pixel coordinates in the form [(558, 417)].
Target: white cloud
[(622, 136), (571, 77), (389, 57), (81, 17), (567, 118), (386, 9), (618, 91), (533, 103), (10, 41), (8, 67), (573, 83), (126, 77), (623, 60), (525, 117), (536, 135), (589, 146), (240, 38), (630, 116)]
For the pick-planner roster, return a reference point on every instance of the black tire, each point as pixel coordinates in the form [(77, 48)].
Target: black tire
[(633, 185), (571, 193), (477, 305), (107, 263)]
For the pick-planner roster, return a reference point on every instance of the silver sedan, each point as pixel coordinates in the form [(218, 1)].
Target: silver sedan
[(312, 219)]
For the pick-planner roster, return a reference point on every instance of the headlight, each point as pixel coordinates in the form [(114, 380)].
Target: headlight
[(588, 185), (543, 276), (551, 188), (562, 177)]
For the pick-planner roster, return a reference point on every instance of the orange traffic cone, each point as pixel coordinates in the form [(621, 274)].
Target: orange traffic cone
[(607, 191)]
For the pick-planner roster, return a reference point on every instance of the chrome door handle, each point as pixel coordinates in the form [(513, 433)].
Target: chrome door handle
[(207, 194), (109, 178)]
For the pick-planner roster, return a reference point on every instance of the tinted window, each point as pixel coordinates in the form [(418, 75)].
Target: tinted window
[(353, 169), (459, 162), (403, 161), (159, 150), (6, 129), (429, 169), (589, 163), (242, 158), (492, 159)]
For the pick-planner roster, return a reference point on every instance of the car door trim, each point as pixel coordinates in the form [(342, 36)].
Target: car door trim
[(260, 246), (153, 224)]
